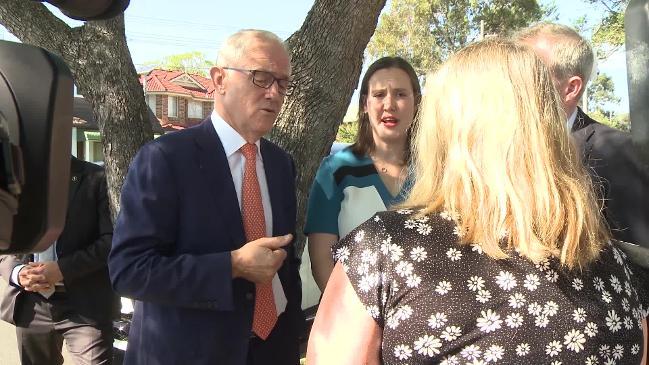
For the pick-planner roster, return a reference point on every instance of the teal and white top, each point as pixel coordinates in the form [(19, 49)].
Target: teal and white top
[(346, 192)]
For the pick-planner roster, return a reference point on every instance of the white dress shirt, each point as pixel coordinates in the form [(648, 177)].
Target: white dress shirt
[(232, 142), (571, 120)]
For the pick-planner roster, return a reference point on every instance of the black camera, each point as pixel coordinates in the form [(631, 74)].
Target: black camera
[(36, 94)]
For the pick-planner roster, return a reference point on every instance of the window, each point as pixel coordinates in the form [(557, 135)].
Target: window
[(151, 102), (195, 109), (172, 106)]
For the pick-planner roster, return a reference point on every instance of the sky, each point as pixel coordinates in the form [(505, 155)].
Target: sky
[(159, 28)]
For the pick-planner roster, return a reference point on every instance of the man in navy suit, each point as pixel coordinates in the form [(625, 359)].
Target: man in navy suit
[(620, 176), (180, 247)]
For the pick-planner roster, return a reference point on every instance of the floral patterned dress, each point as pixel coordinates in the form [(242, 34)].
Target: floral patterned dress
[(439, 302)]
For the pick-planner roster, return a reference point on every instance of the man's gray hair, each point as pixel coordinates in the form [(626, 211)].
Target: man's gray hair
[(570, 55), (235, 45)]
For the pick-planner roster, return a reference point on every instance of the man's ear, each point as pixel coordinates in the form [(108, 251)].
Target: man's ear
[(218, 75), (574, 89)]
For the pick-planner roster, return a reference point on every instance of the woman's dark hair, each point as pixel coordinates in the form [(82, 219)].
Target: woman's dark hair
[(364, 143)]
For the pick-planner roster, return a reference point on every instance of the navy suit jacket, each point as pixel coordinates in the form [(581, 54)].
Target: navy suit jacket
[(620, 176), (179, 220)]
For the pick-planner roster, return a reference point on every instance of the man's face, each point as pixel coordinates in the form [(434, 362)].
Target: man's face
[(252, 110)]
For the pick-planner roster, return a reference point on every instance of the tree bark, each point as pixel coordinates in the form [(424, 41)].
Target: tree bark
[(327, 57), (101, 64)]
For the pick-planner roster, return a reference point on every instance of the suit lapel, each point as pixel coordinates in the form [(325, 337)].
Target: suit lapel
[(215, 169)]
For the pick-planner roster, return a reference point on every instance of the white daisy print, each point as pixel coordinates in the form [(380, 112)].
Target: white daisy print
[(551, 276), (418, 254), (616, 284), (404, 268), (579, 315), (476, 248), (424, 229), (449, 216), (437, 320), (413, 281), (610, 361), (522, 349), (635, 349), (618, 351), (553, 348), (368, 282), (591, 329), (550, 308), (475, 283), (598, 283), (471, 352), (606, 297), (342, 254), (541, 321), (369, 256), (458, 231), (494, 353), (531, 282), (395, 252), (506, 280), (516, 300), (377, 218), (514, 320), (628, 322), (574, 340), (403, 312), (613, 321), (534, 308), (359, 236), (385, 245), (451, 333), (443, 287), (618, 256), (592, 360), (556, 363), (489, 321), (404, 211), (605, 351), (578, 284), (543, 265), (428, 345), (363, 269), (454, 254), (373, 311), (410, 224), (402, 352), (625, 304), (483, 296), (450, 360)]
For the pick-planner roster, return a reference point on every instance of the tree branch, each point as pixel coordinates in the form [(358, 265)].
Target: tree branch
[(33, 23)]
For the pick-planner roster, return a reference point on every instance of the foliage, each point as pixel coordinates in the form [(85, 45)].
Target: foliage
[(347, 132), (608, 32), (601, 93), (191, 62), (617, 121), (426, 32)]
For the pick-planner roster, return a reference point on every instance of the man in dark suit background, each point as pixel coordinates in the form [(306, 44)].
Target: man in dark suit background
[(619, 174), (64, 292), (203, 241)]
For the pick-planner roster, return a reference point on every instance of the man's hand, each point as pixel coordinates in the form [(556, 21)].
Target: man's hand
[(32, 280), (259, 260), (38, 276)]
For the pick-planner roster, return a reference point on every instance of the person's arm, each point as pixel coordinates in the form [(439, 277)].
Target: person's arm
[(94, 256), (322, 262), (343, 332)]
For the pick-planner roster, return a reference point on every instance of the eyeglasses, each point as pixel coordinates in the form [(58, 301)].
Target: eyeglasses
[(265, 80)]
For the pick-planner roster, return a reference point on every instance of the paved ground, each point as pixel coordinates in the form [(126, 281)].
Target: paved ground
[(8, 348)]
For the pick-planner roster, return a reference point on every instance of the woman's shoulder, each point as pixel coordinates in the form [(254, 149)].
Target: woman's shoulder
[(345, 158)]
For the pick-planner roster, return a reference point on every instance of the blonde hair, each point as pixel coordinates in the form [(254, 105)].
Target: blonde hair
[(235, 46), (571, 55), (492, 147)]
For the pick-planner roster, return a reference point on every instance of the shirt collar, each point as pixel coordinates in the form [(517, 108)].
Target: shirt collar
[(571, 120), (230, 138)]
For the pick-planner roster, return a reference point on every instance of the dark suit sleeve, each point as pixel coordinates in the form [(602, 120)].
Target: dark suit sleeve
[(92, 257), (7, 264), (144, 262), (626, 181)]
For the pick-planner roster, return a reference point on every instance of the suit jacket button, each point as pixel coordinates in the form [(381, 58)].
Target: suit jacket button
[(249, 296)]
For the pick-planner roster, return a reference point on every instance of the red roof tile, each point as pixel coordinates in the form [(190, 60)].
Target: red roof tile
[(163, 81)]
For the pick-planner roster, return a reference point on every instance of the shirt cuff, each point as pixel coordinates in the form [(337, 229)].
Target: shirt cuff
[(13, 280)]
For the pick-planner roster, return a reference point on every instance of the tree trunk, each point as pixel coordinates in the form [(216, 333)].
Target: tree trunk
[(104, 73), (327, 57)]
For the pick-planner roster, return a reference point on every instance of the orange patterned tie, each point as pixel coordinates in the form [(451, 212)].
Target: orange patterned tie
[(254, 224)]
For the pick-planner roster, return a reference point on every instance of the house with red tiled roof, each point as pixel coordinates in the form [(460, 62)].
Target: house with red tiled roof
[(178, 99)]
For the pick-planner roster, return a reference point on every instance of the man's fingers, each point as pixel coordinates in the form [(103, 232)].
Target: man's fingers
[(274, 243)]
